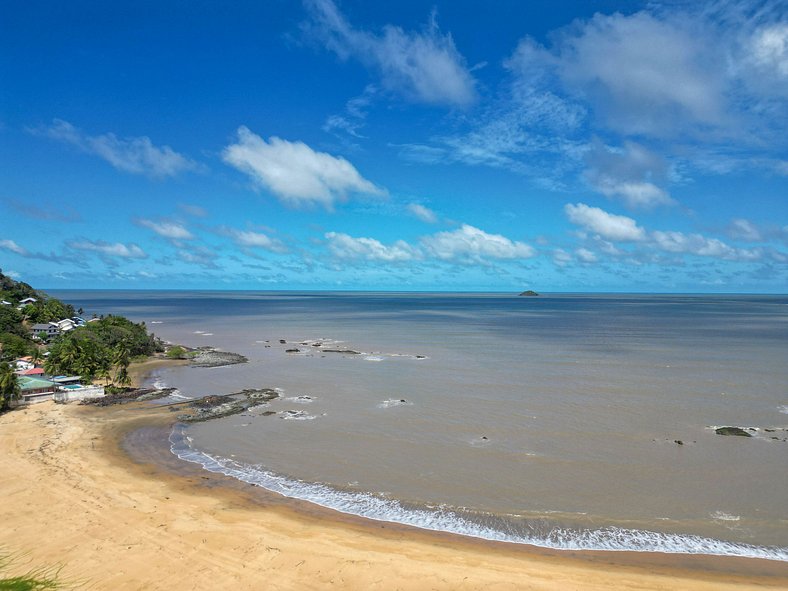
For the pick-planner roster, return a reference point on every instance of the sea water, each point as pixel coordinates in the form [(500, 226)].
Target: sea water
[(551, 420)]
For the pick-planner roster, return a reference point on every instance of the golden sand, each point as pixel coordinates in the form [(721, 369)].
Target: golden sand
[(141, 519)]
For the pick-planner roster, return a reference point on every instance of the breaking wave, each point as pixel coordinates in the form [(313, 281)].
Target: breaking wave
[(535, 532)]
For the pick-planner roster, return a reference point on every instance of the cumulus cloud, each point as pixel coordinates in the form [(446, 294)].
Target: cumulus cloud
[(109, 249), (250, 239), (423, 66), (628, 174), (679, 242), (344, 246), (169, 230), (421, 212), (586, 256), (606, 225), (294, 172), (469, 244), (137, 155)]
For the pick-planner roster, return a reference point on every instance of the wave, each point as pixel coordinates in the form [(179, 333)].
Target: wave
[(539, 533)]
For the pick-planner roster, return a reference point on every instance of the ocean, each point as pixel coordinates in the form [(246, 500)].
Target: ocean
[(552, 420)]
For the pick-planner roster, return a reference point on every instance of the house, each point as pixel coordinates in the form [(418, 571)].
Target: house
[(49, 328), (27, 301), (65, 325), (34, 390), (66, 380), (65, 394), (23, 363), (5, 303), (33, 372)]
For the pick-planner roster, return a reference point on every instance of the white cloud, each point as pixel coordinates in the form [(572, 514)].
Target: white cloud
[(627, 174), (423, 213), (678, 242), (769, 47), (136, 155), (469, 244), (170, 230), (741, 229), (109, 249), (250, 239), (607, 225), (13, 247), (586, 256), (294, 172), (199, 255), (424, 66), (344, 246), (644, 74), (561, 257)]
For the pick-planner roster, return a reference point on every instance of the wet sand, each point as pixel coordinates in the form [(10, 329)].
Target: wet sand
[(97, 491)]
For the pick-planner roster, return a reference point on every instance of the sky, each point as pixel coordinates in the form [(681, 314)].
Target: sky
[(560, 146)]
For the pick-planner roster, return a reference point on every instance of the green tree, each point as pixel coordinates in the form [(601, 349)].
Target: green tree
[(9, 386), (121, 360)]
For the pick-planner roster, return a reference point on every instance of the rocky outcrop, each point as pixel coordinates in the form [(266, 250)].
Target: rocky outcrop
[(734, 431), (208, 357), (216, 407), (529, 293)]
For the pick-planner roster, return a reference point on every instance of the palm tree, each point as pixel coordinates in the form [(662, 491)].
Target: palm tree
[(121, 360), (9, 386)]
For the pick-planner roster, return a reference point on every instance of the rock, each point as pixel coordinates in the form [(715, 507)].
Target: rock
[(735, 431), (530, 293), (292, 350), (282, 342), (345, 351), (268, 413), (678, 442), (213, 358)]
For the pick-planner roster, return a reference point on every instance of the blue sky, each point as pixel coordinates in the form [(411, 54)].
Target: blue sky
[(557, 146)]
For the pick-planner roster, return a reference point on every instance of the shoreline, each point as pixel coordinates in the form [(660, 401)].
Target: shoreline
[(127, 507)]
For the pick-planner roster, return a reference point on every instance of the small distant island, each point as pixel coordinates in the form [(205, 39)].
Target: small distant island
[(530, 293)]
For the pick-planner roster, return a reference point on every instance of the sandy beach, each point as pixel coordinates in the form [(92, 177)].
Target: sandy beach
[(94, 490)]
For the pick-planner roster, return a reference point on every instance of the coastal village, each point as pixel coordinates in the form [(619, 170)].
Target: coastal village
[(49, 351), (35, 384)]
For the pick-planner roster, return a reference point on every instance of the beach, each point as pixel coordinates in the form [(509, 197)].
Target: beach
[(96, 492)]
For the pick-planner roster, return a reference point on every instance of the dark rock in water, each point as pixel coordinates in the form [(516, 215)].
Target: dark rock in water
[(207, 357), (421, 356), (484, 437), (736, 431), (282, 342), (292, 350), (215, 407), (346, 351), (268, 413), (769, 430), (317, 344), (529, 293), (402, 400), (678, 442)]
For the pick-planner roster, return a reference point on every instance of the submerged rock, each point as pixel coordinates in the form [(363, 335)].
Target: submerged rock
[(292, 350), (345, 351), (735, 431)]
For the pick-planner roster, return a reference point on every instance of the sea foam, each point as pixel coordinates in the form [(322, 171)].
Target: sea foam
[(535, 533)]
